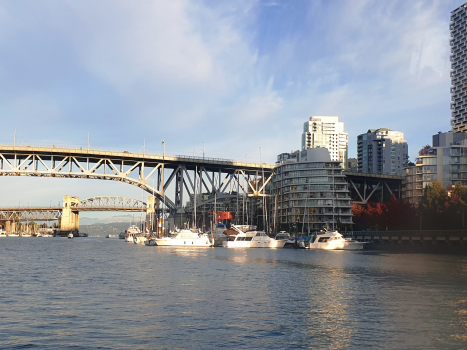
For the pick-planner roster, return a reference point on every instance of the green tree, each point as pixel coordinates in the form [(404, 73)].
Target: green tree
[(439, 208)]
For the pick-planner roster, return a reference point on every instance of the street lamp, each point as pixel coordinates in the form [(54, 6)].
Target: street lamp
[(461, 211), (163, 143)]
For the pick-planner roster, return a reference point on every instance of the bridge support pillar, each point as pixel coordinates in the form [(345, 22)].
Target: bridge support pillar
[(70, 215), (8, 226), (150, 210)]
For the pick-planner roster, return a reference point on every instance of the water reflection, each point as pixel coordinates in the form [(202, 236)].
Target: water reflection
[(60, 294)]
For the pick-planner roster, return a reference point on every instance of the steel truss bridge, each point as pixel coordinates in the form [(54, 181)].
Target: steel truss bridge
[(89, 204), (373, 187), (163, 176)]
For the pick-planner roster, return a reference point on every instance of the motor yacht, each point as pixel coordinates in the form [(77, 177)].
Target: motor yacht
[(290, 241), (2, 233), (13, 234), (333, 240), (130, 233), (140, 238), (219, 234), (186, 238), (70, 235), (248, 237)]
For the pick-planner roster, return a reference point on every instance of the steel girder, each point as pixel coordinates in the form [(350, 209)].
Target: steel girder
[(38, 214), (364, 188), (111, 204), (146, 171)]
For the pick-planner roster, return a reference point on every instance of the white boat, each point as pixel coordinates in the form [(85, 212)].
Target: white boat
[(25, 235), (290, 241), (130, 233), (248, 237), (13, 235), (46, 235), (2, 233), (333, 240), (140, 239), (219, 234), (186, 238), (70, 235), (150, 241)]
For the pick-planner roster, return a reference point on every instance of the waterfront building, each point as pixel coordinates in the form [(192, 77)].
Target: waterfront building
[(310, 191), (413, 184), (446, 162), (352, 165), (326, 132), (458, 27), (382, 151)]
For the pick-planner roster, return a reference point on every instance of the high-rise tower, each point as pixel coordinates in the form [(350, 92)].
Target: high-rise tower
[(382, 151), (326, 132), (458, 43)]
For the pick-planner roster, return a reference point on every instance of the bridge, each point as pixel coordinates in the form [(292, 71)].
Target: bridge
[(156, 174), (69, 213), (373, 187)]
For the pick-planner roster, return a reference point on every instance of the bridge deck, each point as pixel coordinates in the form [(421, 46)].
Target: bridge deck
[(168, 159)]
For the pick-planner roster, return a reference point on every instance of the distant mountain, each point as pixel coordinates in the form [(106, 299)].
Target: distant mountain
[(102, 230), (135, 218)]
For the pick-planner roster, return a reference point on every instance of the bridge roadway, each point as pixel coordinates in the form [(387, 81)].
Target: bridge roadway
[(190, 175)]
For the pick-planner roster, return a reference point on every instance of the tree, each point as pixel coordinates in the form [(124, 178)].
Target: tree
[(439, 208), (425, 150)]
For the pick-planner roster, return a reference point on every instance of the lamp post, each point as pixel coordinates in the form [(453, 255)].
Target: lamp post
[(461, 211)]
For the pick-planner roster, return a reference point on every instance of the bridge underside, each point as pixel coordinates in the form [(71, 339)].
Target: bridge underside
[(366, 188)]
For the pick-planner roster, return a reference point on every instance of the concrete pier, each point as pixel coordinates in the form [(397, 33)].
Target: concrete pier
[(413, 240)]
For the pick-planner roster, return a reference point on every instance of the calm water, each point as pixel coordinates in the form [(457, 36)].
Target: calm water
[(97, 293)]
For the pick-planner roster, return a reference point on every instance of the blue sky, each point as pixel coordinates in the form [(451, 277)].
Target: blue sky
[(237, 75)]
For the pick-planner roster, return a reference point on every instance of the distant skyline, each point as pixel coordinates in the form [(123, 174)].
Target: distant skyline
[(235, 75)]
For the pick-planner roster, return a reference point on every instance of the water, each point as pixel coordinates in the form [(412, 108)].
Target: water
[(97, 293)]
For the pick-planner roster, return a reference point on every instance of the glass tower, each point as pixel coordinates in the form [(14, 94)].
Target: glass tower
[(458, 43)]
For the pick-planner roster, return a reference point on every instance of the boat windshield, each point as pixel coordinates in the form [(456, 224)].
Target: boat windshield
[(188, 234)]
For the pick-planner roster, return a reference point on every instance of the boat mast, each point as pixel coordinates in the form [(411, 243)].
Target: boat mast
[(196, 183), (305, 209), (333, 195)]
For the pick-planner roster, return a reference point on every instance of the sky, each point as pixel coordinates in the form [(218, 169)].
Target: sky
[(234, 75)]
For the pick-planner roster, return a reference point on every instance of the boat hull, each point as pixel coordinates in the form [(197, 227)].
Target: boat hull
[(140, 240), (175, 242), (254, 244), (338, 246)]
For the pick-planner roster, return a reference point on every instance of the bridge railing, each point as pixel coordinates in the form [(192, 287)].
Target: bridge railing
[(398, 233), (101, 151)]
